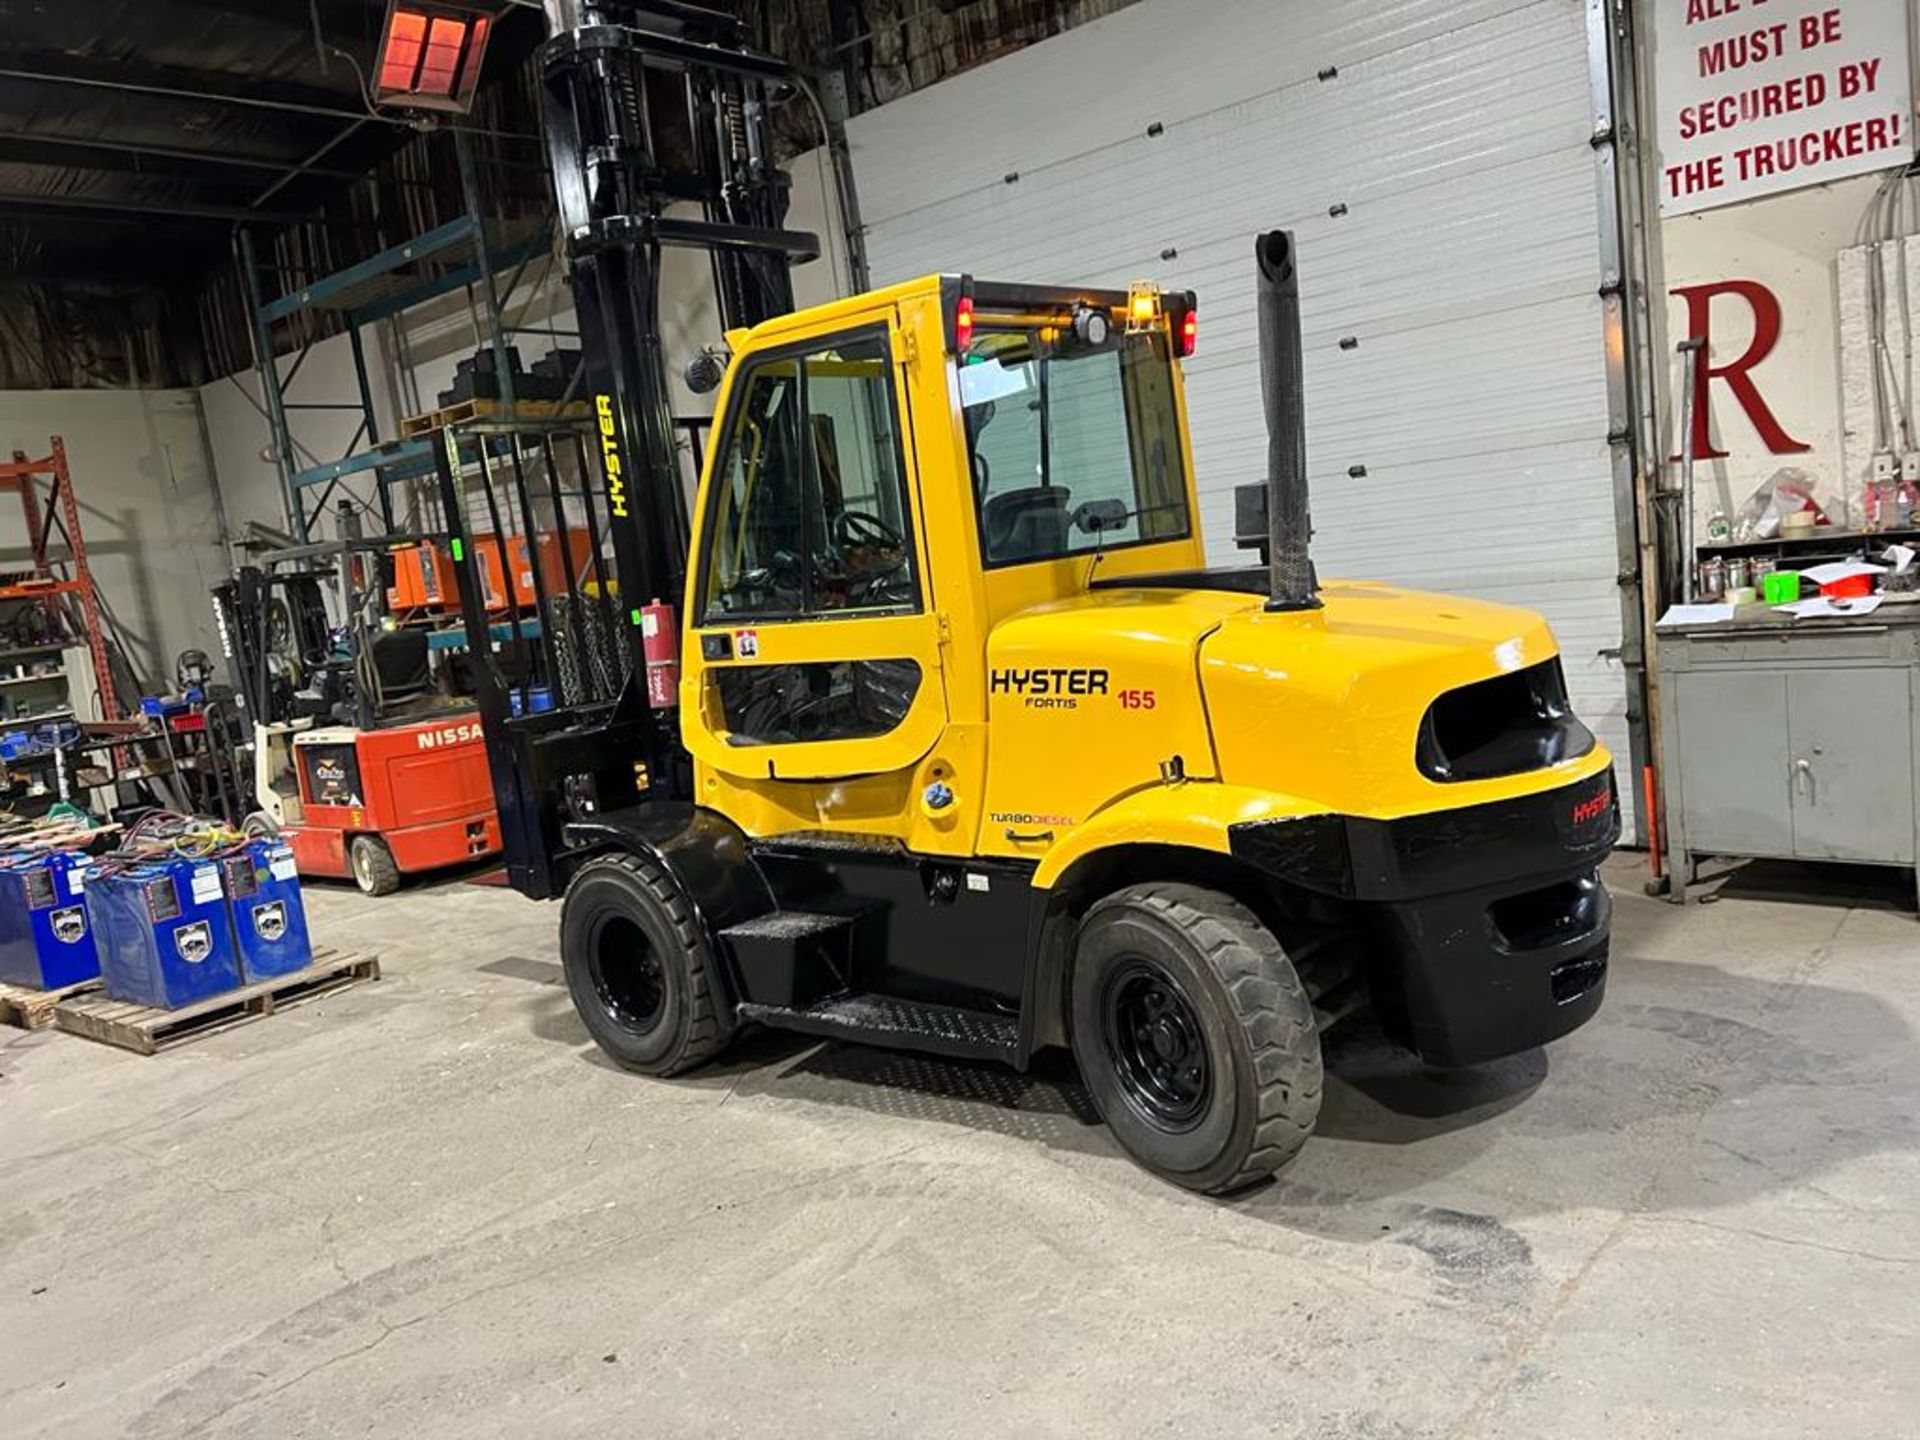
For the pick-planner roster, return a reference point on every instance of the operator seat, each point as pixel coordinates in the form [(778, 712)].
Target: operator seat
[(400, 664), (1026, 524)]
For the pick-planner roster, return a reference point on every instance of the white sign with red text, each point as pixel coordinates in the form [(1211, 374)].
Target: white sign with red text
[(1759, 96)]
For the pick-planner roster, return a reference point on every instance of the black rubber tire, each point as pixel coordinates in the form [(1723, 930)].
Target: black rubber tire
[(1254, 1020), (656, 1009), (372, 865)]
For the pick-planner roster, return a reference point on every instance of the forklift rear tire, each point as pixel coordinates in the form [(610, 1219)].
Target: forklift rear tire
[(640, 967), (1194, 1035), (373, 867)]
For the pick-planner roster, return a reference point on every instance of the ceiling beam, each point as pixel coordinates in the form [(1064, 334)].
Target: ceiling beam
[(196, 86), (305, 167), (135, 210), (73, 151), (342, 21)]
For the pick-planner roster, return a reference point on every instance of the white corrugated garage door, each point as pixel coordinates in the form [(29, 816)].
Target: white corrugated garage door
[(1454, 334)]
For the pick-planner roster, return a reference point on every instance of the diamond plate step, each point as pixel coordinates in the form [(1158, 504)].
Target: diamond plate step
[(905, 1024), (787, 925)]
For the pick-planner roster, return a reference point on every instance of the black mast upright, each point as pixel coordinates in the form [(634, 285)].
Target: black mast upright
[(651, 105), (659, 134)]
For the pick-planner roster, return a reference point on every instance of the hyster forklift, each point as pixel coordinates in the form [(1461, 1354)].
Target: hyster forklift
[(935, 730)]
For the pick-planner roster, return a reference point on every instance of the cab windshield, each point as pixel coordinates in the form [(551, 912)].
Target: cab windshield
[(1074, 447)]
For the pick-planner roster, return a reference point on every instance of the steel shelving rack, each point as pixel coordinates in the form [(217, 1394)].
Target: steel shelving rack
[(53, 518), (469, 252)]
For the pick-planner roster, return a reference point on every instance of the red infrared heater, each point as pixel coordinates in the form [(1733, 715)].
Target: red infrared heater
[(430, 54)]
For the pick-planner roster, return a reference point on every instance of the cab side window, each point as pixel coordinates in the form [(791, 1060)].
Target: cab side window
[(808, 512)]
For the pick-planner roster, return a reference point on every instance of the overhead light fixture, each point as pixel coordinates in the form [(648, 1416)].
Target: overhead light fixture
[(430, 54)]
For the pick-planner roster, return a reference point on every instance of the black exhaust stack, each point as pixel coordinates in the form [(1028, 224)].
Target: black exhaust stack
[(1283, 387)]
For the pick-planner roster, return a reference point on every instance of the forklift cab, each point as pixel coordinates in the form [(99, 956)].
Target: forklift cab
[(847, 565)]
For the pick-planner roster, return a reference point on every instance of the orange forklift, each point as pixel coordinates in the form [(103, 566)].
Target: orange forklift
[(367, 751)]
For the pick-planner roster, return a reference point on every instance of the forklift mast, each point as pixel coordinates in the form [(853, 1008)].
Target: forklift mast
[(659, 134)]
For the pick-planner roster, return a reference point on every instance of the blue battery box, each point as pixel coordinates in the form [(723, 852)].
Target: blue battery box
[(269, 922), (163, 930), (45, 939)]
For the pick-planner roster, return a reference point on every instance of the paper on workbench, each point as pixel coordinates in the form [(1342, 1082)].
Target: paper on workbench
[(1841, 570), (1902, 556), (1822, 607), (1706, 614)]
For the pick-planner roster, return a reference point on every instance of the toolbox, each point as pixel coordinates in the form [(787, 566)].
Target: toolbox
[(269, 922), (46, 941), (163, 930)]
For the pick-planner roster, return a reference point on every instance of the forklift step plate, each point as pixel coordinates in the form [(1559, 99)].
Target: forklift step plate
[(907, 1024)]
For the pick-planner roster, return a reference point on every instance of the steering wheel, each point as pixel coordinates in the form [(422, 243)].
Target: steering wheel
[(857, 529)]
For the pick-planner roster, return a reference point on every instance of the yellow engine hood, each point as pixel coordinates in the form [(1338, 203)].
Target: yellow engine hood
[(1327, 704), (1089, 698)]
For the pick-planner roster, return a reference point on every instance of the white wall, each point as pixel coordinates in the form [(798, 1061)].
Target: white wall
[(148, 508), (238, 436), (1436, 165)]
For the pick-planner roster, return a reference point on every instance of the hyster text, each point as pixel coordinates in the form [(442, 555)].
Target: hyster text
[(1048, 688)]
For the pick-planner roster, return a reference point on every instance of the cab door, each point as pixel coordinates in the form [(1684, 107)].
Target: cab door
[(813, 656)]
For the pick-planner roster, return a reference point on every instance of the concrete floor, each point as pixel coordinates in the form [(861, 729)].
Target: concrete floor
[(427, 1208)]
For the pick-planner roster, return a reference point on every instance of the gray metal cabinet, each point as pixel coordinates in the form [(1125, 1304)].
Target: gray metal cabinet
[(1732, 777), (1790, 741), (1850, 742)]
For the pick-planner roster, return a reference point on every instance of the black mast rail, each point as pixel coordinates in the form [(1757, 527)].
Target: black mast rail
[(647, 106)]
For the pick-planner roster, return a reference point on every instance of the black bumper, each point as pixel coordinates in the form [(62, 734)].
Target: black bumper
[(1490, 922)]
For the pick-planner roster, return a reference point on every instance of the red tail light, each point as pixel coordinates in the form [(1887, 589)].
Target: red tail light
[(1189, 332), (963, 325)]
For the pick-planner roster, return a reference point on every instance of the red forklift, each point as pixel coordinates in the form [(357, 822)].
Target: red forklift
[(367, 751)]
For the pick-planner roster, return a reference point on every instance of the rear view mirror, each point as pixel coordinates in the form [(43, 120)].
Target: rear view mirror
[(1096, 517), (705, 370)]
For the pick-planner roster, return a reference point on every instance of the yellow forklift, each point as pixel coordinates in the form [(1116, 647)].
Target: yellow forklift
[(934, 730)]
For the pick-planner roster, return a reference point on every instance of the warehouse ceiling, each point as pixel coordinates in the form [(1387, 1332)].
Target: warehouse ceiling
[(135, 134)]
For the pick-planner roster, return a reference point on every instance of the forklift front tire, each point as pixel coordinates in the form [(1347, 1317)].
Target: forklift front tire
[(639, 966), (373, 868), (1194, 1036)]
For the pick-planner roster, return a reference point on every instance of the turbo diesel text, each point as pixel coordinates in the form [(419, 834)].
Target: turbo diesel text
[(1050, 689)]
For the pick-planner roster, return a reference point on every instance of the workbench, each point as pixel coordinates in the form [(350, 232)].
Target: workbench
[(1791, 739)]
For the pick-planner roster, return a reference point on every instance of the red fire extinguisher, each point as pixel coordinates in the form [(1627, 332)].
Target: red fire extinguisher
[(660, 643)]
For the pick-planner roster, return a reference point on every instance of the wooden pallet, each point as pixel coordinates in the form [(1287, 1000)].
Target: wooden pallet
[(464, 411), (146, 1030), (31, 1009)]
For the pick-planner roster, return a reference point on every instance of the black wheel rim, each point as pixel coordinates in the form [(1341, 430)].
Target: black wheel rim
[(1159, 1051), (626, 974)]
